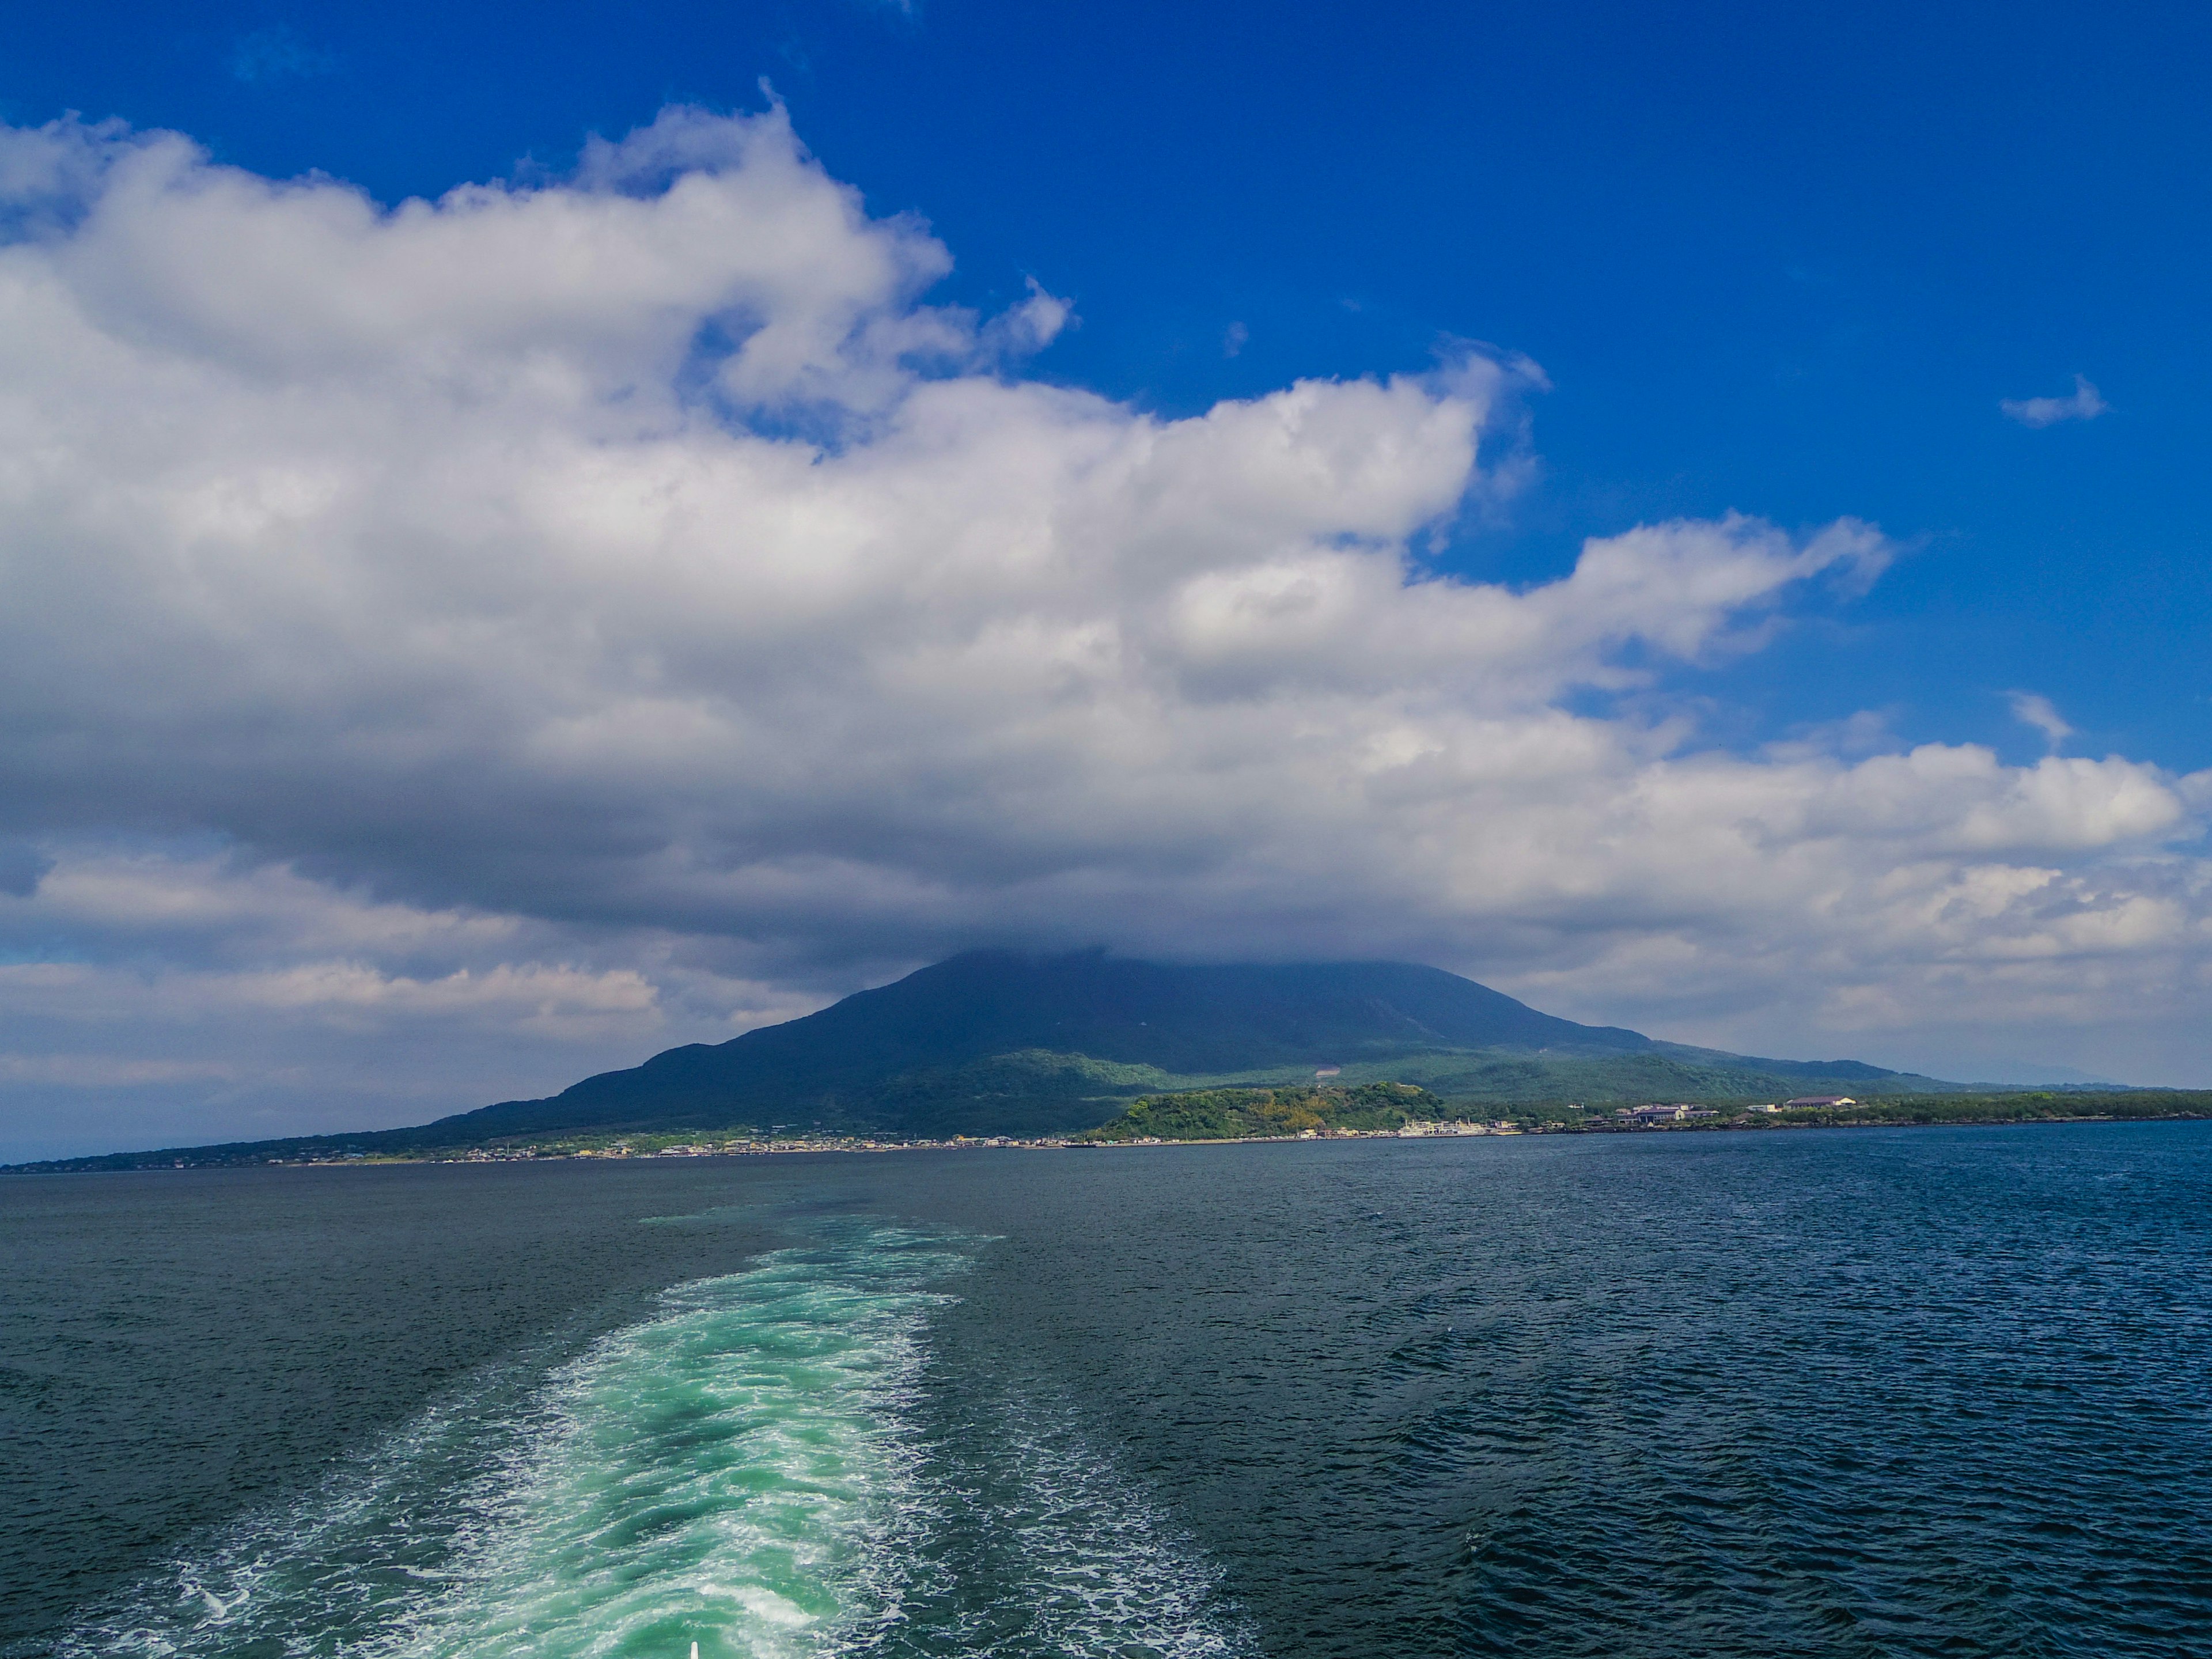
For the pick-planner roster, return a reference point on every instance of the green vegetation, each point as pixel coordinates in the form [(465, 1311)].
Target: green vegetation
[(1250, 1114), (1029, 1091), (2050, 1106), (1233, 1113), (1522, 1078), (1209, 1114)]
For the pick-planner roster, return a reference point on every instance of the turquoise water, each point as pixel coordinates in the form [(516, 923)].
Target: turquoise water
[(740, 1470), (1854, 1395)]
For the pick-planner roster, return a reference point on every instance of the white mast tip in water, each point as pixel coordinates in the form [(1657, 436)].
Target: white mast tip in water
[(695, 1650)]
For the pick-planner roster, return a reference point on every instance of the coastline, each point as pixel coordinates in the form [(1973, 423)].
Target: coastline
[(2159, 1107)]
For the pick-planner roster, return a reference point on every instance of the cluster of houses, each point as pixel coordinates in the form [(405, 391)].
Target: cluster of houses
[(1681, 1111), (1631, 1117), (1656, 1114)]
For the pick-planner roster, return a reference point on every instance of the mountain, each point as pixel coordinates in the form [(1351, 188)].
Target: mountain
[(996, 1043)]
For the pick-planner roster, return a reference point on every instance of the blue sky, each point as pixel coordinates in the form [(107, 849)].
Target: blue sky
[(1689, 515), (1786, 260)]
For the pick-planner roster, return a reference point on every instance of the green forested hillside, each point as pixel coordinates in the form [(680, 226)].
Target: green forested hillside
[(995, 1042), (1503, 1077), (1246, 1114)]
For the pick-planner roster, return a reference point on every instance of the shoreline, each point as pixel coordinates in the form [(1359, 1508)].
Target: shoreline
[(169, 1161)]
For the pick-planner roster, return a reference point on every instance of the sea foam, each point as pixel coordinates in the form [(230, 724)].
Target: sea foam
[(752, 1470)]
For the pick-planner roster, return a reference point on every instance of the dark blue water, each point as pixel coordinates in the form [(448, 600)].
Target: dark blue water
[(1860, 1393)]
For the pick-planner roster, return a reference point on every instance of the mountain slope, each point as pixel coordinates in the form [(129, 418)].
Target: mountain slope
[(993, 1042), (996, 1043)]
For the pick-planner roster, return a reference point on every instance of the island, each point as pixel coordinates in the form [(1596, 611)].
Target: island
[(996, 1049)]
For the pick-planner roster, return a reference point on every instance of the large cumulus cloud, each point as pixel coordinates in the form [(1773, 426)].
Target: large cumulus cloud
[(524, 627)]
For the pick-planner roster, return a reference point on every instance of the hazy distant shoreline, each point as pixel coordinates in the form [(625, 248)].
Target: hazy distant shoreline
[(1933, 1112)]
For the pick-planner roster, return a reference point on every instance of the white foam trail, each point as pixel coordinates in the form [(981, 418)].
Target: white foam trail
[(1100, 1570), (736, 1471), (745, 1475)]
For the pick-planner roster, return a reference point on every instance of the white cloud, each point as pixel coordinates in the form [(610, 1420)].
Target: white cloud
[(456, 645), (2033, 708), (2084, 403), (202, 995), (106, 1072)]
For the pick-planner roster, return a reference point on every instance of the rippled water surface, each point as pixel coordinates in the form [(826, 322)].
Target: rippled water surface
[(1861, 1392)]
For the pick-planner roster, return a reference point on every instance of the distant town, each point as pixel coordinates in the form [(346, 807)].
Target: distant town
[(1205, 1118), (1807, 1111)]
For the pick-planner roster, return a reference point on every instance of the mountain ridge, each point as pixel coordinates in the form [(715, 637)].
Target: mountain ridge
[(1180, 1021), (1002, 1042)]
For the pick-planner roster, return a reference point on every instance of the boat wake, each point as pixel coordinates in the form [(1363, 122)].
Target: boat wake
[(755, 1469)]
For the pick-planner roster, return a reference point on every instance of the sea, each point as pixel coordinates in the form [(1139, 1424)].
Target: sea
[(1942, 1392)]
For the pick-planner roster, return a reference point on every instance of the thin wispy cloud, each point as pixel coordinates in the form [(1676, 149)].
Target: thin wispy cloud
[(2086, 404), (2033, 708), (277, 54)]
